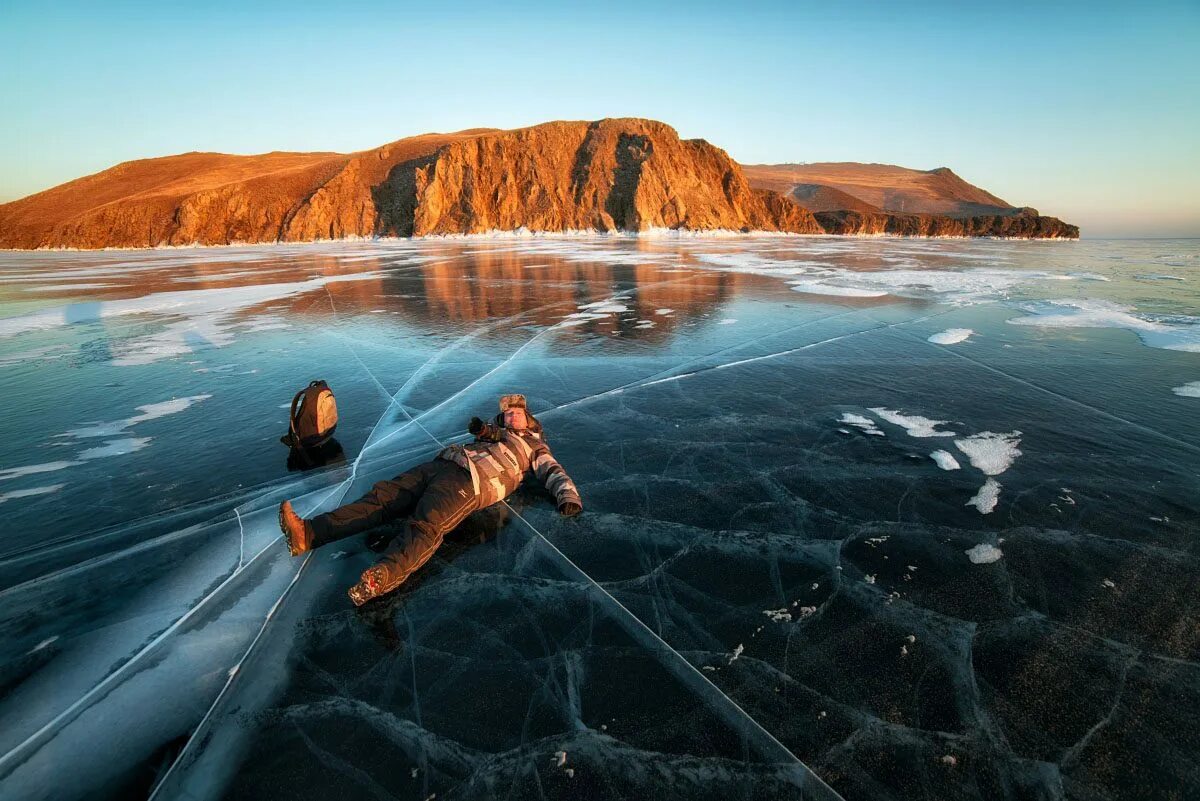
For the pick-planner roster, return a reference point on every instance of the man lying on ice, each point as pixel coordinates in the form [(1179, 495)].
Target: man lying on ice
[(437, 495)]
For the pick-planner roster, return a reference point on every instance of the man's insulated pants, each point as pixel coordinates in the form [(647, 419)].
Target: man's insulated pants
[(434, 497)]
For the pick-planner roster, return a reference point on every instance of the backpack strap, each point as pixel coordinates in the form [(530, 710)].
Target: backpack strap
[(295, 443)]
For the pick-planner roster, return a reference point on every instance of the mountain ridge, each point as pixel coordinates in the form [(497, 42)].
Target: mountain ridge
[(616, 174)]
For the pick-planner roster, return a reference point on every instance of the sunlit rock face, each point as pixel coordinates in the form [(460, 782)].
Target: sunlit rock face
[(608, 175)]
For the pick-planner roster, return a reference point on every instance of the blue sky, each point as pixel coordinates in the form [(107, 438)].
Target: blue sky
[(1087, 111)]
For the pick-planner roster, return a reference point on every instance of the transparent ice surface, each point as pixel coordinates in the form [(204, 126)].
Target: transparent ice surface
[(770, 594)]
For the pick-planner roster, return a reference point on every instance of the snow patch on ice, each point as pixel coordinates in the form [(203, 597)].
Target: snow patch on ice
[(984, 554), (990, 452), (951, 336), (817, 288), (29, 493), (150, 411), (781, 615), (1176, 333), (915, 425), (945, 460), (986, 498), (34, 469), (116, 447), (864, 423)]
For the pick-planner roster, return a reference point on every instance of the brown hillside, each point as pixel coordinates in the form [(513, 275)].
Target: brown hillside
[(815, 197), (886, 187)]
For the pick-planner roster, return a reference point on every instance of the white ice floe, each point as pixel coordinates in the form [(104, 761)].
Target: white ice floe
[(1188, 390), (951, 336), (986, 498), (983, 554), (990, 452), (915, 425), (858, 421), (29, 493), (945, 460), (728, 321), (1177, 333), (34, 469)]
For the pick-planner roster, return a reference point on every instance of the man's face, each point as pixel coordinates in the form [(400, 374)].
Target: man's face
[(516, 419)]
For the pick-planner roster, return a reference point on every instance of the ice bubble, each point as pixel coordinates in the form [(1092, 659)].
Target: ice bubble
[(1188, 390), (944, 460), (779, 615), (951, 336), (560, 758), (870, 579), (664, 312), (915, 425), (949, 760), (984, 554), (990, 452)]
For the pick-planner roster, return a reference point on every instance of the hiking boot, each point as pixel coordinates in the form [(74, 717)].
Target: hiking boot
[(294, 529), (369, 586)]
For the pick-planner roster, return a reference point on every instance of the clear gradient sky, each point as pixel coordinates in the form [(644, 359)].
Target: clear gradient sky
[(1088, 111)]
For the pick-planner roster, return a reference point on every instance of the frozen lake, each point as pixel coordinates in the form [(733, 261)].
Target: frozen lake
[(918, 517)]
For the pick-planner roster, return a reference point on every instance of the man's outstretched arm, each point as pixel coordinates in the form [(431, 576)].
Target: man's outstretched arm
[(555, 479)]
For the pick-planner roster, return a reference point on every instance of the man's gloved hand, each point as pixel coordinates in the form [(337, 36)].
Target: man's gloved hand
[(569, 509), (475, 426)]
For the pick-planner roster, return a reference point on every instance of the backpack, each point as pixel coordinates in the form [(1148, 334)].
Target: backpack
[(313, 417)]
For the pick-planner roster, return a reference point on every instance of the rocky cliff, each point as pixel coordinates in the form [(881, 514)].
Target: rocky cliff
[(1023, 224), (614, 174)]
